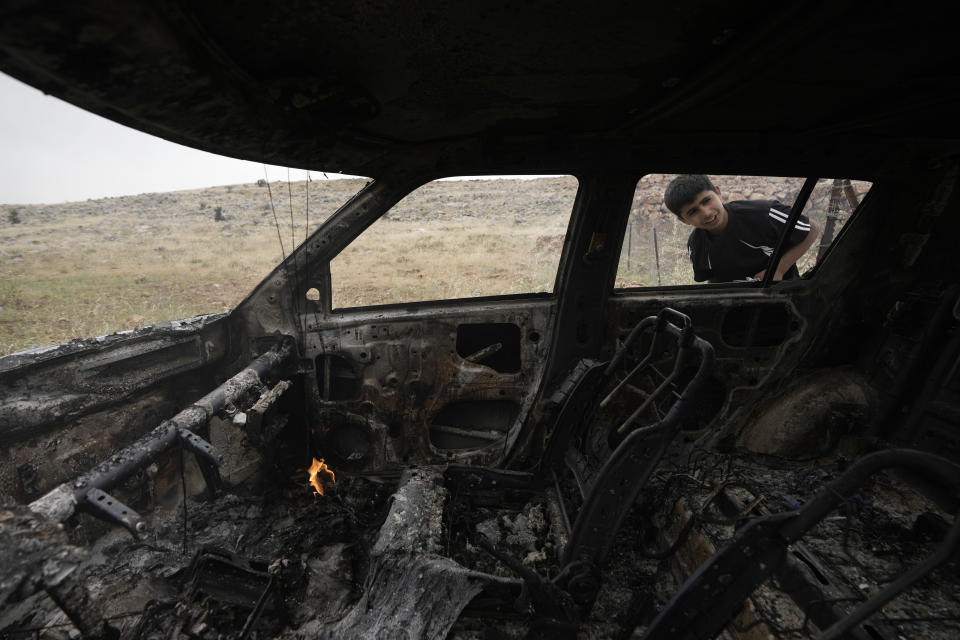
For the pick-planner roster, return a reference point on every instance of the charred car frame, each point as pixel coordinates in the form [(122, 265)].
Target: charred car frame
[(753, 459)]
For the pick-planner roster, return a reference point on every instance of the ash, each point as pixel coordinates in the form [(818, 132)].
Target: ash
[(697, 502), (290, 565), (310, 549)]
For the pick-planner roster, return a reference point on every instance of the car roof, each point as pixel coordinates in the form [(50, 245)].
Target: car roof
[(364, 87)]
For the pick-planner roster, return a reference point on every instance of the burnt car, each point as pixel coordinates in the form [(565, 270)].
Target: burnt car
[(574, 457)]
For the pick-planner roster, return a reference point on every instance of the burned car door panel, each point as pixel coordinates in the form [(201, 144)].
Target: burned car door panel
[(433, 387), (443, 384)]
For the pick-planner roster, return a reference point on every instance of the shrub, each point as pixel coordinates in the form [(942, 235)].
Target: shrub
[(13, 216), (203, 205), (261, 182), (218, 214)]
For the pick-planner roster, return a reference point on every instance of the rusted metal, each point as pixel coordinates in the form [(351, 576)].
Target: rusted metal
[(484, 353), (376, 374)]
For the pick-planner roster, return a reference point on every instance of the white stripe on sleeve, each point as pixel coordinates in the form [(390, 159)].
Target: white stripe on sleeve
[(782, 219)]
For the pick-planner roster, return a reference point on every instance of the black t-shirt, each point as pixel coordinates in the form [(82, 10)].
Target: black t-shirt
[(744, 247)]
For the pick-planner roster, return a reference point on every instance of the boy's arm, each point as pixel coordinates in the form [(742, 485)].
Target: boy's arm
[(794, 253)]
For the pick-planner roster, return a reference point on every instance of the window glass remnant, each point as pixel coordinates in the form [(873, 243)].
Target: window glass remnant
[(656, 248), (459, 238)]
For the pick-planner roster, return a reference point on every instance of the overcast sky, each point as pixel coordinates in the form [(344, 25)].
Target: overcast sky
[(51, 152)]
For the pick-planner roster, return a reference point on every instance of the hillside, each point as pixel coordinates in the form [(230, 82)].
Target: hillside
[(90, 268)]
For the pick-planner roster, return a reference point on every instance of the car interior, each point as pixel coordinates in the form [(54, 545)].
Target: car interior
[(599, 448)]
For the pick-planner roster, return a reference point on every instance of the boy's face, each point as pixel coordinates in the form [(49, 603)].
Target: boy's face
[(705, 212)]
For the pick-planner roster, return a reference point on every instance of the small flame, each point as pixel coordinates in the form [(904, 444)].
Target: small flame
[(319, 467)]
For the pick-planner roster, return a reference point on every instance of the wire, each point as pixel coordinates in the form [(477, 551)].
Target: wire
[(276, 222)]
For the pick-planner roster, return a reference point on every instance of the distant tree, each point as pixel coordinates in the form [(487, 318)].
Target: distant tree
[(218, 214), (13, 216), (261, 182)]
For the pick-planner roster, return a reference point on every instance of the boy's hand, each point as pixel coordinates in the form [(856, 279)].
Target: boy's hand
[(777, 275)]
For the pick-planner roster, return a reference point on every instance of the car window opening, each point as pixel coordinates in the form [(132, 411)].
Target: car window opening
[(459, 238), (695, 246)]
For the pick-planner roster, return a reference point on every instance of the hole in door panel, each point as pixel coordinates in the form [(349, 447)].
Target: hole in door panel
[(492, 344), (348, 443), (337, 378), (766, 325), (471, 424)]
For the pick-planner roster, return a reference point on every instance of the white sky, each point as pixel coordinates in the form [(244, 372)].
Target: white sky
[(51, 151)]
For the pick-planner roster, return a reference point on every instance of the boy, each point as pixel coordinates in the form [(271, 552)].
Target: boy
[(734, 241)]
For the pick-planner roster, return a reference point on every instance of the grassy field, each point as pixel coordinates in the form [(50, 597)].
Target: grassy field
[(90, 268), (459, 239)]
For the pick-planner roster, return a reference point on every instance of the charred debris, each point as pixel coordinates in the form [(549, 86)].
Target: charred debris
[(634, 522), (746, 460)]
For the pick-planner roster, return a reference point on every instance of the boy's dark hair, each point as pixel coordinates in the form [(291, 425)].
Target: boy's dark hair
[(683, 189)]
